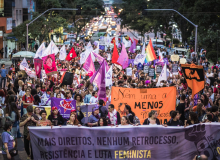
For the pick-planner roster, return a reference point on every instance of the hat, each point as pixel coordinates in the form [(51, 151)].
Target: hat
[(53, 108), (73, 110), (96, 108)]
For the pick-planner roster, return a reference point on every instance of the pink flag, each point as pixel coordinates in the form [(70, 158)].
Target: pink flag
[(123, 58), (37, 66), (49, 64), (100, 59), (89, 65)]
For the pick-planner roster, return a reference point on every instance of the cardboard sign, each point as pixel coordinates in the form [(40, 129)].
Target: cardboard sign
[(174, 68), (175, 57), (159, 69), (146, 69), (129, 71), (142, 101), (182, 60), (151, 72)]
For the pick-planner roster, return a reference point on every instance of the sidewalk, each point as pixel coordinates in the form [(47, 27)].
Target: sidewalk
[(6, 61)]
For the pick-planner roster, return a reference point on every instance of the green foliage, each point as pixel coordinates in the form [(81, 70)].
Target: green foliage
[(176, 41), (212, 55)]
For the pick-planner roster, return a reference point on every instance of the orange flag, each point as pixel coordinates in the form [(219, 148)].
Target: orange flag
[(115, 55), (71, 55), (194, 77)]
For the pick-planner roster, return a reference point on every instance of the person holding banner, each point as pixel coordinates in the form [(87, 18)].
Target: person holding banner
[(102, 122), (152, 119), (175, 116), (44, 121), (94, 118), (73, 120), (55, 117), (113, 115), (124, 121)]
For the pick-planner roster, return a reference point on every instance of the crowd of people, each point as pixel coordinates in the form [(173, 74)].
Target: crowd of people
[(19, 93)]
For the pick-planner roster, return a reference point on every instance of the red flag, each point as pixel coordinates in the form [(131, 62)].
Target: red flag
[(131, 40), (71, 55), (113, 40), (136, 41), (115, 55)]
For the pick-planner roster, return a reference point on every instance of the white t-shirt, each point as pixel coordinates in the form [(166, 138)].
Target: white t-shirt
[(93, 99), (209, 74)]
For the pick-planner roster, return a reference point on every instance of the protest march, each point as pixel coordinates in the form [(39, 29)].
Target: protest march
[(89, 101)]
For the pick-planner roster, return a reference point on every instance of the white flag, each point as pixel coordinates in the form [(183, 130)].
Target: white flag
[(108, 77), (30, 73), (40, 51), (163, 75), (24, 64), (51, 49), (62, 55), (126, 43), (139, 59), (97, 49)]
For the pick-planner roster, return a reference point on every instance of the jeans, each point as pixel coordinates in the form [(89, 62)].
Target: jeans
[(3, 79), (27, 147)]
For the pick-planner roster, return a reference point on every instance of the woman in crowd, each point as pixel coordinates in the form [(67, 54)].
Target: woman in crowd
[(29, 119), (55, 117), (14, 117), (73, 120), (79, 100), (200, 111), (125, 121), (152, 120), (27, 100), (205, 101), (193, 119), (8, 141), (37, 112), (94, 118), (129, 113), (43, 121), (58, 95), (175, 119), (102, 122), (22, 91), (113, 115), (94, 98)]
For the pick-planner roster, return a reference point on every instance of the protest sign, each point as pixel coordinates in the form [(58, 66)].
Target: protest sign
[(159, 69), (175, 69), (142, 101), (174, 57), (129, 71), (131, 61), (64, 106), (151, 72), (182, 60), (87, 111), (146, 69), (125, 142)]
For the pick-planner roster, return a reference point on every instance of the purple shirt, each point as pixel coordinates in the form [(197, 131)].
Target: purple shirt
[(7, 138)]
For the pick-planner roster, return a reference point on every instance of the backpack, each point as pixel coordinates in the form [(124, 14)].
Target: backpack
[(136, 120)]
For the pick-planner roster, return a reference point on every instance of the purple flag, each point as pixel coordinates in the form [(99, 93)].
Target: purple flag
[(131, 61), (89, 65), (133, 46), (123, 58), (64, 106), (96, 78), (161, 62), (102, 89), (100, 60)]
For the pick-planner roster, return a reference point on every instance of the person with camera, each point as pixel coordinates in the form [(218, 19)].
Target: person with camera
[(8, 142), (29, 119)]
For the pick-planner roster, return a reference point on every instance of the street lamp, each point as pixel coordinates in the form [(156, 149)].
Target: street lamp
[(60, 9)]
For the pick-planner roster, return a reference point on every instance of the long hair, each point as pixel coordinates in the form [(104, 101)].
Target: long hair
[(199, 109), (129, 110), (193, 117), (76, 122), (127, 119), (52, 114), (206, 100), (81, 99), (14, 108), (105, 123)]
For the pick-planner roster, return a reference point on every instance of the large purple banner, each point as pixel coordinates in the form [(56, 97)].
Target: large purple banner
[(64, 106), (126, 142)]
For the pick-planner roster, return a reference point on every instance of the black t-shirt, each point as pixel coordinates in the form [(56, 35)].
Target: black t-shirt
[(190, 123), (207, 64), (181, 108), (174, 123)]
